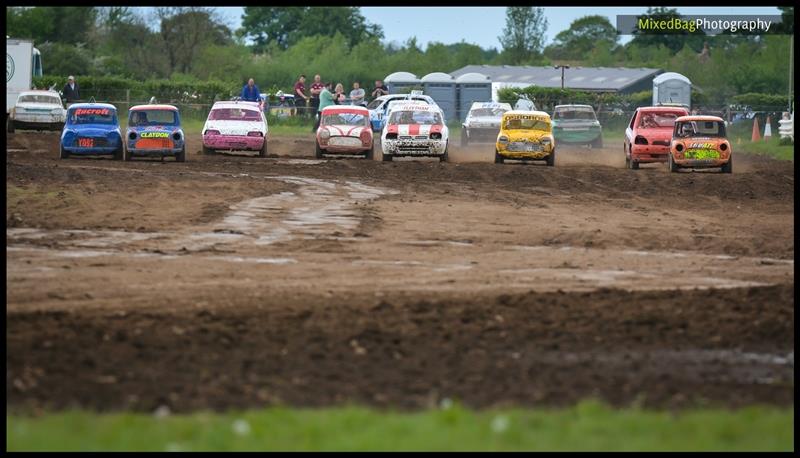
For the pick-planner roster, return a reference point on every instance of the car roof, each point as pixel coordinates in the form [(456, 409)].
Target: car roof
[(40, 92), (346, 109), (154, 107), (571, 105), (663, 108), (235, 104), (93, 105), (490, 105), (700, 118), (525, 113)]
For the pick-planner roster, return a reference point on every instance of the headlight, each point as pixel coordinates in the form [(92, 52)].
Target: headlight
[(546, 140), (56, 111), (502, 139), (324, 133)]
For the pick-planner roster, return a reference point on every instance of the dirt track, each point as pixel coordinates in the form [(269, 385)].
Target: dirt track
[(231, 280)]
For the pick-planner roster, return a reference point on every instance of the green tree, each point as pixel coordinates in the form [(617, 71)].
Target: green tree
[(185, 31), (582, 37), (66, 24), (523, 35), (673, 40)]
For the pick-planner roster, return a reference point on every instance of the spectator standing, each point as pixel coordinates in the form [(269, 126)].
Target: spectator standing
[(316, 89), (325, 99), (379, 90), (71, 91), (250, 92), (301, 100), (338, 96), (357, 94)]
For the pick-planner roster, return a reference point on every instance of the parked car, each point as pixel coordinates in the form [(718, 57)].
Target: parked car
[(483, 122), (284, 107), (39, 110), (700, 142), (378, 108), (155, 130), (577, 124), (235, 125), (344, 129), (417, 129), (649, 133), (91, 129), (525, 135)]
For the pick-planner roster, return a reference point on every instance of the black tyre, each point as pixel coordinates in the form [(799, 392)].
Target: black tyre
[(464, 137), (370, 154), (10, 125), (498, 159), (634, 165), (673, 167), (118, 153), (63, 154), (207, 150), (263, 151), (627, 159), (728, 167), (386, 157), (551, 159), (444, 157), (318, 151), (181, 156), (597, 143)]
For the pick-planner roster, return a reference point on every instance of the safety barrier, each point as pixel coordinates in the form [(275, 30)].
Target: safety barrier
[(786, 129)]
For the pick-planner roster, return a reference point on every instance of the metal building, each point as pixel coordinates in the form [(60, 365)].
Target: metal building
[(442, 88), (672, 87), (472, 87), (402, 82)]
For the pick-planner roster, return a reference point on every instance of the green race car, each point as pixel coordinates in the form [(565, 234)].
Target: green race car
[(577, 124)]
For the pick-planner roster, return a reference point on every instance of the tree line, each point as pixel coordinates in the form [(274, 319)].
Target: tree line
[(276, 44)]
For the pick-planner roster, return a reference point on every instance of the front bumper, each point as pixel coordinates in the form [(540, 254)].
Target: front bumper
[(649, 153), (503, 150), (37, 123), (414, 147), (700, 163), (96, 151), (483, 134), (576, 136), (233, 142)]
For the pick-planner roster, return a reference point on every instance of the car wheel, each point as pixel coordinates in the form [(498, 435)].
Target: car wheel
[(464, 137), (318, 152), (498, 159), (634, 165), (10, 126), (63, 154), (263, 151), (673, 167), (207, 150), (386, 157), (118, 153), (370, 153), (597, 143), (551, 159), (181, 156), (728, 167)]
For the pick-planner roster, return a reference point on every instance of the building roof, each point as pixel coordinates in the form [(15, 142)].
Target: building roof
[(437, 77), (670, 76), (401, 77), (581, 78)]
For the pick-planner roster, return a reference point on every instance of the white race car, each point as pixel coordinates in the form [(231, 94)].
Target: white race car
[(235, 125), (39, 110), (415, 129), (483, 122)]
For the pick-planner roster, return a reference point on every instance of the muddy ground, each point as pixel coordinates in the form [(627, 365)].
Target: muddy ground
[(234, 281)]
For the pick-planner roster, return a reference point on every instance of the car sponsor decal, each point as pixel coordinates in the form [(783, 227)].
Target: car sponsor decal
[(532, 117), (154, 135), (701, 154), (92, 111)]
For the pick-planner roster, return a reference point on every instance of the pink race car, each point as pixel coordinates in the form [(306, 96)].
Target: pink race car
[(649, 134), (235, 126), (344, 129)]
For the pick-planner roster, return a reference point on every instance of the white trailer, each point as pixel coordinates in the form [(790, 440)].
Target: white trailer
[(23, 61)]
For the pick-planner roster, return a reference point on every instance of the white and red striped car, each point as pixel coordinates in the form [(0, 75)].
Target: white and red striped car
[(344, 129), (415, 129)]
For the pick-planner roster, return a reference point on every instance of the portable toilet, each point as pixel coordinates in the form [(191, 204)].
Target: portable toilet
[(402, 82), (672, 88), (441, 87), (472, 87)]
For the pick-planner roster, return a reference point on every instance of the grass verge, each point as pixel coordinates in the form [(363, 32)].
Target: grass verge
[(771, 147), (587, 426)]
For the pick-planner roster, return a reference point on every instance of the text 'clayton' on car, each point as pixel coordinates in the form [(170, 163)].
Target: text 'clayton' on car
[(235, 126), (344, 129), (91, 129), (155, 130), (37, 110), (700, 142), (415, 129)]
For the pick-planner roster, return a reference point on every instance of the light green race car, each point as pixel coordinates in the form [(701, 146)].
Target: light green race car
[(577, 124)]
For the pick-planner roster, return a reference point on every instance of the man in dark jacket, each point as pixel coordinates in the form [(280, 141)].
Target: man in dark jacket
[(71, 90), (250, 92)]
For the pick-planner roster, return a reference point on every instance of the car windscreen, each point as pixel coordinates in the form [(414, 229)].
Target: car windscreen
[(658, 120), (700, 129), (488, 112), (374, 104), (152, 118), (234, 114), (574, 113), (344, 119), (526, 123), (39, 99), (415, 117), (92, 116)]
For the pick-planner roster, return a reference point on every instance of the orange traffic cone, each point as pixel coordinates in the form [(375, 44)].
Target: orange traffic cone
[(767, 129), (756, 133)]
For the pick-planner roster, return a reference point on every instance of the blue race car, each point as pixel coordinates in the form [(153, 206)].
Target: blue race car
[(378, 107), (155, 130), (91, 129)]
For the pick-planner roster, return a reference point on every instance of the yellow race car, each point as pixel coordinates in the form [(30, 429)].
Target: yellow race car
[(525, 135)]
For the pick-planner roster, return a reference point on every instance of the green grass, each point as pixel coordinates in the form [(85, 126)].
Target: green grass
[(771, 147), (588, 426)]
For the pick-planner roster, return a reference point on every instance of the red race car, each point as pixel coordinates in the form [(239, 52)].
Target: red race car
[(648, 135), (344, 129)]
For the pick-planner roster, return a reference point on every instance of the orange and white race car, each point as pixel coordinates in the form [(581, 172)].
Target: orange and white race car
[(700, 142)]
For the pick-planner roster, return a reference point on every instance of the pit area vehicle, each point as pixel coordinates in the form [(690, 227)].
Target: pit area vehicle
[(416, 129), (483, 122), (154, 130), (577, 124), (649, 134), (344, 129), (525, 135), (235, 126), (91, 129), (37, 110), (700, 142)]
